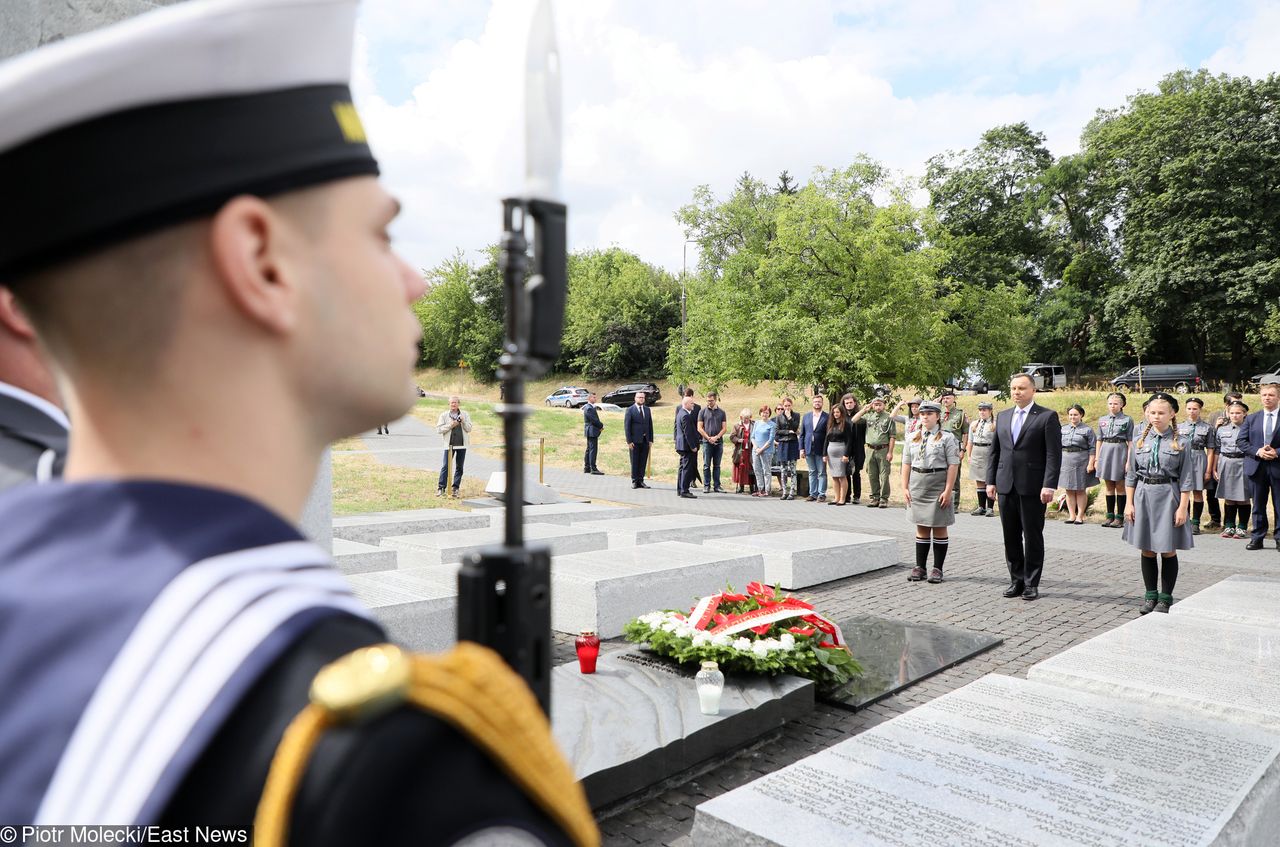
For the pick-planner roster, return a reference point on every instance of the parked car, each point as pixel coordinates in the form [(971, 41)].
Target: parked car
[(1179, 378), (1272, 374), (969, 380), (569, 396), (625, 395), (1047, 377)]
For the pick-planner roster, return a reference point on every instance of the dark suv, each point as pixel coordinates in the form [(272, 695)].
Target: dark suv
[(1179, 378), (625, 395)]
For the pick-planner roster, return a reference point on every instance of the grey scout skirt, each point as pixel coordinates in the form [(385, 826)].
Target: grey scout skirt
[(1154, 505), (1111, 461), (978, 463), (1231, 482), (1075, 475), (924, 509)]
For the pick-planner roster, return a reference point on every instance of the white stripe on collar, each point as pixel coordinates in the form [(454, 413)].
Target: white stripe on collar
[(44, 465), (186, 646), (38, 403)]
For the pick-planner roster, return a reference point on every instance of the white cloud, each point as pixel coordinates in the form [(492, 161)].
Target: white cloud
[(662, 96)]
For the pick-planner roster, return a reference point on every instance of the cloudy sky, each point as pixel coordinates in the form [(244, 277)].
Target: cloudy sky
[(660, 96)]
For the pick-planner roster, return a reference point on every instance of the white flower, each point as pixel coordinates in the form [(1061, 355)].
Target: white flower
[(742, 644), (701, 639), (771, 644), (671, 626), (721, 640), (760, 649), (788, 641)]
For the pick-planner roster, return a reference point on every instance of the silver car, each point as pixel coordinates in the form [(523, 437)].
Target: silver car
[(569, 396)]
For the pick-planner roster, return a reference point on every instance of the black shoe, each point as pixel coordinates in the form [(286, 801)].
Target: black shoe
[(1148, 603), (916, 575), (645, 485), (439, 492), (706, 490), (1278, 543), (1254, 544), (1031, 594), (810, 499), (586, 470), (1014, 590), (635, 485), (935, 576), (1195, 528), (687, 495), (856, 501), (597, 473), (718, 491)]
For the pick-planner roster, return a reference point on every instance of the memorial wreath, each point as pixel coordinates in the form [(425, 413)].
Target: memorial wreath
[(761, 631)]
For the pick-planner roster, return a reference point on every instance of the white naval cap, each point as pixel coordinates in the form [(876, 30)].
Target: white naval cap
[(166, 116)]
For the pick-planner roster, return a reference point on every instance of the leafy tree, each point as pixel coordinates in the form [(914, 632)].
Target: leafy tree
[(786, 184), (1193, 172), (618, 316), (834, 288), (461, 316)]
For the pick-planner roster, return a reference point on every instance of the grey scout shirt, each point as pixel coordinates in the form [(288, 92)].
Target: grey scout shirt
[(1199, 435), (1156, 457), (931, 452)]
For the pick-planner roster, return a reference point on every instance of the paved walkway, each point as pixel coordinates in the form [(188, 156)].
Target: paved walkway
[(1091, 585)]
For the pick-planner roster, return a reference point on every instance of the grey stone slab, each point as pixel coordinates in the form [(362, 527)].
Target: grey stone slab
[(1182, 662), (352, 557), (419, 616), (483, 503), (534, 491), (373, 527), (566, 514), (439, 548), (1007, 762), (799, 558), (630, 532), (606, 589), (1248, 599), (635, 722)]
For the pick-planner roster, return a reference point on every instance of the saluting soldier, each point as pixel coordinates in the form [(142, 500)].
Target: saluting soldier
[(1159, 480), (1115, 431), (193, 223), (1228, 472), (1200, 438), (956, 422), (882, 434), (930, 464)]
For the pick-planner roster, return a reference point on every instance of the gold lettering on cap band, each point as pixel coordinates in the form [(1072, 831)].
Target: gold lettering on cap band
[(349, 122)]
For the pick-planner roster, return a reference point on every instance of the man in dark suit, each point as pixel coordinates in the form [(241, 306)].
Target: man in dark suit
[(1025, 458), (592, 426), (1261, 465), (686, 445), (33, 428), (637, 428), (813, 432)]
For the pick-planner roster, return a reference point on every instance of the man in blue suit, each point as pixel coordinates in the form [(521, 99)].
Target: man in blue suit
[(592, 426), (1261, 465), (687, 439), (813, 432), (637, 428)]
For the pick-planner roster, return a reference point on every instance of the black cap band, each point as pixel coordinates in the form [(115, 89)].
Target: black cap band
[(99, 182)]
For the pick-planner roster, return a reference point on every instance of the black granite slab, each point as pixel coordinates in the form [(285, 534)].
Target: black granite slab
[(636, 722), (896, 654)]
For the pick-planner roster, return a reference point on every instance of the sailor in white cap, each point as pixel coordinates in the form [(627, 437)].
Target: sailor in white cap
[(193, 224)]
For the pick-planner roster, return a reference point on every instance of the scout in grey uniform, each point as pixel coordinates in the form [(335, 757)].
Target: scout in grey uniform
[(930, 464), (981, 433), (1159, 481), (1228, 472), (956, 422), (882, 433), (1115, 431), (1216, 420), (1078, 443), (1200, 439)]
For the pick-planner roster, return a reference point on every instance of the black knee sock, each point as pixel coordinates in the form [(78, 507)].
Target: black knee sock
[(1242, 516), (939, 552), (1197, 509), (1149, 572), (1168, 574), (856, 481), (1229, 515), (1121, 499), (922, 551), (1111, 505), (982, 498), (1215, 509)]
